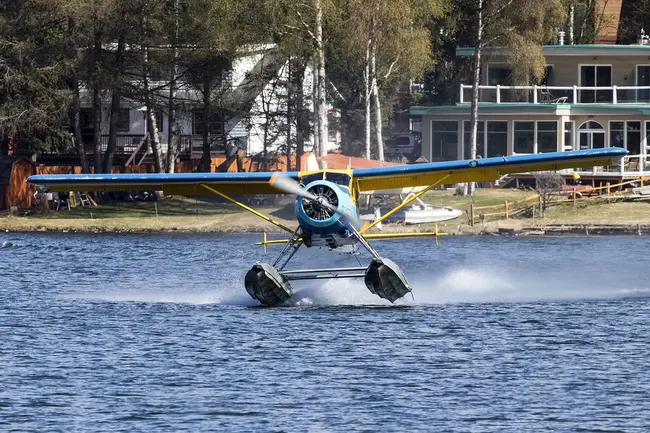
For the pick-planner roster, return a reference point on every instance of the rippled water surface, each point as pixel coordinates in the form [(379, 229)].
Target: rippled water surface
[(156, 333)]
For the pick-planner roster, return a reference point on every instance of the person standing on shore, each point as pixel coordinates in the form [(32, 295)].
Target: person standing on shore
[(576, 178)]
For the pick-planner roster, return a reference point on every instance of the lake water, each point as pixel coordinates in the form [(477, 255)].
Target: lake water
[(156, 333)]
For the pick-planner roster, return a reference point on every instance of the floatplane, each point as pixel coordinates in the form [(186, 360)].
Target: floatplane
[(326, 208)]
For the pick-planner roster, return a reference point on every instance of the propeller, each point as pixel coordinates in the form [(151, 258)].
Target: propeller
[(290, 186)]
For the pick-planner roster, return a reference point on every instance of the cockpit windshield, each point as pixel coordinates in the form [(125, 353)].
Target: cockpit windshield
[(338, 178), (306, 180), (342, 179)]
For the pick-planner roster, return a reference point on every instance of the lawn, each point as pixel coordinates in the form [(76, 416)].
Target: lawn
[(208, 214)]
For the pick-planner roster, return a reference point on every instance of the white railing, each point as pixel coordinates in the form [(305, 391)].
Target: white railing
[(629, 165), (558, 94)]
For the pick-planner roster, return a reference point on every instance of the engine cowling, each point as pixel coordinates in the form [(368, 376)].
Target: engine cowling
[(314, 218)]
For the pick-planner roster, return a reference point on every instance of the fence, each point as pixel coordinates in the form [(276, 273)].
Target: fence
[(512, 209)]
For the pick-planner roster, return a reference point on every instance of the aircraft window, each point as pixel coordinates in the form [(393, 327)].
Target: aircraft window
[(306, 180), (338, 178)]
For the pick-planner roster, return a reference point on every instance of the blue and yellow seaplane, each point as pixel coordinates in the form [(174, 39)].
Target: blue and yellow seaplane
[(326, 210)]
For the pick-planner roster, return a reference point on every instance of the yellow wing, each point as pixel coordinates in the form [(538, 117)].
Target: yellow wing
[(479, 170)]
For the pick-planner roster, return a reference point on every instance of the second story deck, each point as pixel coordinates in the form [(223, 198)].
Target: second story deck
[(575, 74)]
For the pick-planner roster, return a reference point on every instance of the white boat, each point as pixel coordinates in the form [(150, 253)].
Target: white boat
[(419, 213)]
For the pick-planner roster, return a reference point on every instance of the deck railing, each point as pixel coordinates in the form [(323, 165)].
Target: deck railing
[(558, 94), (128, 143)]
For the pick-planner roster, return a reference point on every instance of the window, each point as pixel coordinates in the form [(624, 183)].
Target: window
[(591, 135), (617, 134), (338, 178), (215, 124), (480, 140), (568, 136), (643, 80), (524, 137), (498, 75), (547, 78), (595, 76), (123, 120), (86, 119), (626, 134), (444, 140), (546, 136), (633, 137), (159, 120), (497, 138), (306, 180)]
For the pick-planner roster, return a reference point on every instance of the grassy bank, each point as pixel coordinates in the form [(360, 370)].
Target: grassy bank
[(204, 215)]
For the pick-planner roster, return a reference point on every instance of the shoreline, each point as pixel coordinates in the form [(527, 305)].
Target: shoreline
[(242, 224), (192, 215)]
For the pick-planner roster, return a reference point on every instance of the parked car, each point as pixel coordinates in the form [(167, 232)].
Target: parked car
[(403, 145)]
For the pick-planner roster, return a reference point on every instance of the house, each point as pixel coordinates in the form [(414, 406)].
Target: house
[(253, 91), (14, 189), (591, 96)]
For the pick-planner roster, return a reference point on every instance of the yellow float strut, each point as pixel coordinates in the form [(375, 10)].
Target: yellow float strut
[(406, 202)]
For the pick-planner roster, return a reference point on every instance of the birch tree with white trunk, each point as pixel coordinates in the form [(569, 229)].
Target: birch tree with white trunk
[(395, 40), (523, 27)]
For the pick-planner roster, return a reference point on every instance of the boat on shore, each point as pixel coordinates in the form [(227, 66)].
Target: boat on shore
[(419, 213)]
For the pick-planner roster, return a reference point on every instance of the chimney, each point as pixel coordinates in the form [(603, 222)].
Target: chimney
[(560, 36)]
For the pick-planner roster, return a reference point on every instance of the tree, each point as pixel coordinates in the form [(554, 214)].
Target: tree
[(220, 30), (389, 41), (548, 185), (522, 26), (34, 67), (634, 17)]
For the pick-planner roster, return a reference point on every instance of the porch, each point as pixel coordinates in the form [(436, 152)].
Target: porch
[(131, 149)]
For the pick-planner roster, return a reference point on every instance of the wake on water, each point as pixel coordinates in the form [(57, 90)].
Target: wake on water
[(462, 285)]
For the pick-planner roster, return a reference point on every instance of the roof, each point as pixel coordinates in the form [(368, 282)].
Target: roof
[(6, 166), (522, 109), (570, 50)]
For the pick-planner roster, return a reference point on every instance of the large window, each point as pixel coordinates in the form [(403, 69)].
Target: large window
[(595, 76), (215, 124), (568, 135), (591, 135), (524, 137), (124, 120), (444, 140), (546, 136), (626, 134), (497, 138), (491, 139), (498, 75), (643, 80), (480, 139), (159, 120), (535, 136)]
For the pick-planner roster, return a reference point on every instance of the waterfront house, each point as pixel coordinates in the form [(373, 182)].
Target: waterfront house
[(251, 91), (591, 96)]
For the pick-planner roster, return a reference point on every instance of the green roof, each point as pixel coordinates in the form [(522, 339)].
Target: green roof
[(569, 50), (524, 108)]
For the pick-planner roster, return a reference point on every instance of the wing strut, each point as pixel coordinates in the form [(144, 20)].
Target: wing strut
[(249, 209), (406, 202)]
